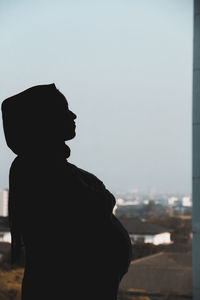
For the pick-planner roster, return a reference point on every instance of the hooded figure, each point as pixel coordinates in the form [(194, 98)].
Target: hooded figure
[(62, 215)]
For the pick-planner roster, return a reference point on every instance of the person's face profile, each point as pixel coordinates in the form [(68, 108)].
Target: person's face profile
[(68, 123)]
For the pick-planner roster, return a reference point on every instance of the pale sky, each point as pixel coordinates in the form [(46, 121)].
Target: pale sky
[(125, 67)]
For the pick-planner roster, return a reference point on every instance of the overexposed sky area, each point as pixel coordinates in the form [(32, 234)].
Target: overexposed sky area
[(125, 67)]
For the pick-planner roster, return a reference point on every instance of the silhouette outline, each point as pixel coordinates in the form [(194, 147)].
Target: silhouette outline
[(75, 248)]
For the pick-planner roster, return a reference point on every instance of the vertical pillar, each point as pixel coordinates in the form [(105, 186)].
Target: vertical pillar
[(196, 155)]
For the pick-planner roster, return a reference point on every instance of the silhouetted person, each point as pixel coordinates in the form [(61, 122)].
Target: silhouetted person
[(75, 248)]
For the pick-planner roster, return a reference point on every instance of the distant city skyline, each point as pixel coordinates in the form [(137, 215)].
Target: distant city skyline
[(125, 68)]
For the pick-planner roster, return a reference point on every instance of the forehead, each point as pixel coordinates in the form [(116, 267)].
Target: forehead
[(62, 100)]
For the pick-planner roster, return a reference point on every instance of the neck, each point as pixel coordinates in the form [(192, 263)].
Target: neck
[(58, 151)]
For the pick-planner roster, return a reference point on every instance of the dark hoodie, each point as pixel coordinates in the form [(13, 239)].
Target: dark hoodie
[(59, 212)]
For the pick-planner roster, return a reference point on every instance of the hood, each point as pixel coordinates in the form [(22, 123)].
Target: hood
[(30, 117)]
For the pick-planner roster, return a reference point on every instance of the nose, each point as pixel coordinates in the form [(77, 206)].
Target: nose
[(73, 115)]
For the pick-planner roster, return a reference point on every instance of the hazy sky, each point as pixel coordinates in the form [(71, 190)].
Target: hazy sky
[(125, 67)]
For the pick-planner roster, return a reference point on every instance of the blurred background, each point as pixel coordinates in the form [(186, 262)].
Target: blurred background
[(125, 68)]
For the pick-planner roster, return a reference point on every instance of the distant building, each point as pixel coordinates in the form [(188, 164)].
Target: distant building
[(160, 274), (4, 203), (186, 202), (5, 235), (146, 232), (172, 201), (120, 201)]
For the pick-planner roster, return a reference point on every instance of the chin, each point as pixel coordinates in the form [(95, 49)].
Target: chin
[(70, 136)]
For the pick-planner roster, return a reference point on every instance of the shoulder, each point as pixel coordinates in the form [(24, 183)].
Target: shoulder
[(24, 171), (19, 163), (20, 166), (18, 175)]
